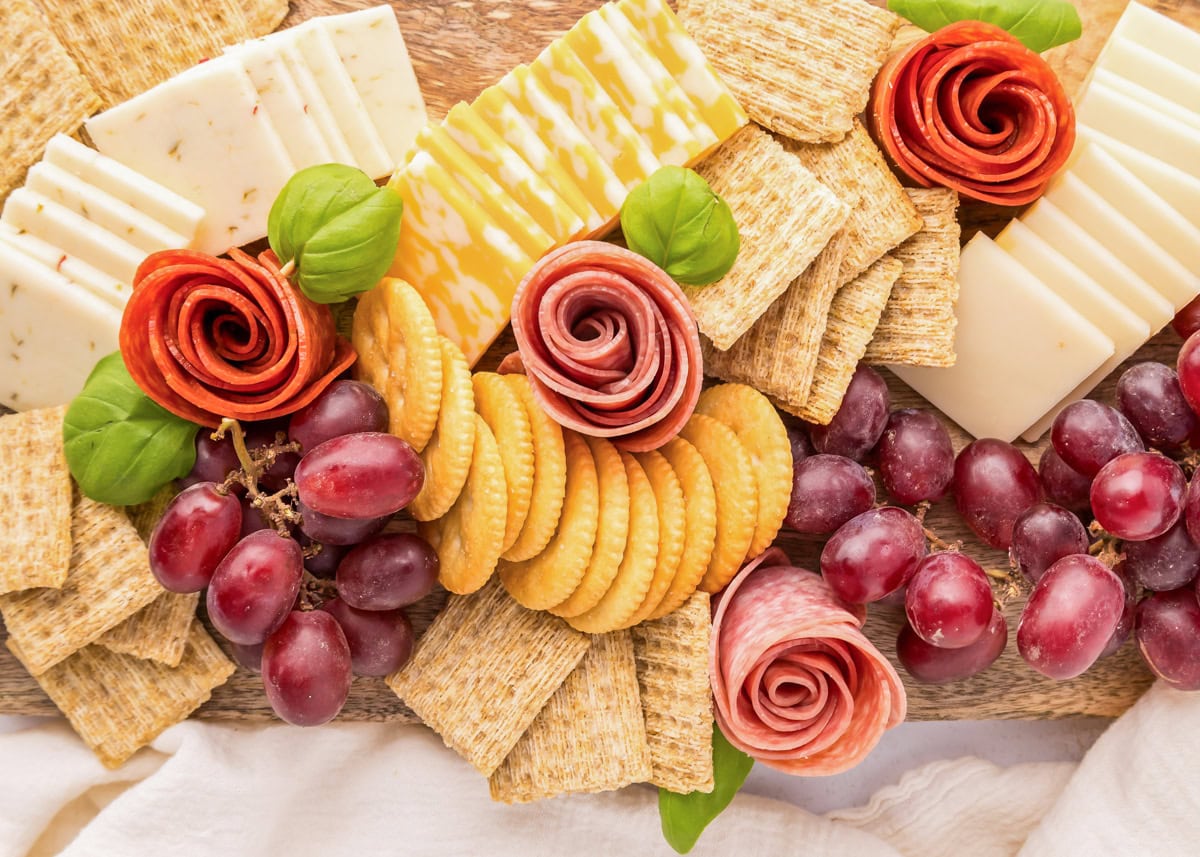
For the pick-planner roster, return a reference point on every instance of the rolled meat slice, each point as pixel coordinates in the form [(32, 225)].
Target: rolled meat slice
[(209, 338), (971, 108), (609, 344), (797, 685)]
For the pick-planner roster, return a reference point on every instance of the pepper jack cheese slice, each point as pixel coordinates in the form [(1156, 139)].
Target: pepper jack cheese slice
[(1154, 30), (1147, 68), (1147, 97), (53, 333), (1021, 348), (1128, 120), (106, 287), (1181, 190), (200, 135)]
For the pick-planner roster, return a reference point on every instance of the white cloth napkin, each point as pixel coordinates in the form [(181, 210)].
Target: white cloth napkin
[(278, 791)]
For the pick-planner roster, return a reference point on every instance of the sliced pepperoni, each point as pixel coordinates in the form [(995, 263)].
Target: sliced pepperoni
[(797, 685), (209, 338), (609, 344), (971, 108)]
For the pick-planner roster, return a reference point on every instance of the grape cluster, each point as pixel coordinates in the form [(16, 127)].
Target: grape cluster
[(283, 524)]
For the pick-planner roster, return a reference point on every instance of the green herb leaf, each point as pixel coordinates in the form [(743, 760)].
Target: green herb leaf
[(339, 229), (1039, 24), (122, 446), (684, 817), (675, 220)]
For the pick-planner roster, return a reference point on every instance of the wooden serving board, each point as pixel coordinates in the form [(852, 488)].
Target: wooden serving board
[(461, 46)]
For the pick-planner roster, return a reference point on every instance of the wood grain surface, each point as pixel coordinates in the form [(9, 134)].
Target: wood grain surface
[(458, 47)]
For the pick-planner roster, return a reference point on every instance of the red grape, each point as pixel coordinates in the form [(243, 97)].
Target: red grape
[(1168, 635), (1166, 562), (827, 491), (262, 435), (345, 407), (801, 445), (873, 554), (255, 586), (365, 475), (1088, 434), (324, 563), (1149, 395), (1188, 367), (338, 531), (388, 571), (306, 668), (856, 427), (1191, 515), (993, 484), (1125, 625), (1138, 495), (196, 531), (215, 460), (949, 601), (1187, 320), (252, 519), (1062, 485), (932, 665), (916, 458), (249, 656), (381, 641), (1042, 535), (1070, 617)]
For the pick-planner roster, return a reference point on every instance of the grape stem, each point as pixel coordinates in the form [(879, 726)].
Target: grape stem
[(1104, 548), (314, 592), (277, 508)]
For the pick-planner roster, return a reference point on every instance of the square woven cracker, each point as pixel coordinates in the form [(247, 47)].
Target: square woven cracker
[(881, 213), (784, 217), (802, 68), (918, 323), (119, 704), (35, 496), (109, 580), (672, 670), (124, 48), (484, 669), (42, 91), (157, 632), (853, 316), (264, 16), (145, 516), (589, 738), (778, 355)]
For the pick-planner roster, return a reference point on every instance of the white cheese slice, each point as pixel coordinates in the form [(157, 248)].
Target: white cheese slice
[(53, 333), (1165, 36), (102, 208), (72, 233), (1181, 190), (1127, 330), (1124, 238), (1145, 67), (372, 49), (200, 134), (1146, 97), (131, 187), (1138, 125), (102, 285), (1098, 262), (1021, 348), (281, 99), (315, 104), (1132, 197)]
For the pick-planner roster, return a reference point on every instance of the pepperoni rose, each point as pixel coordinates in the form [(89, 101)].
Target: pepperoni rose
[(209, 338), (609, 344), (973, 109), (797, 686)]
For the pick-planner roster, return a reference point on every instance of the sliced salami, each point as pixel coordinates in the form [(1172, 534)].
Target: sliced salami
[(797, 685), (209, 338), (609, 344), (971, 108)]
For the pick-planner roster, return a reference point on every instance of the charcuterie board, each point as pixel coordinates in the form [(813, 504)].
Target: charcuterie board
[(457, 49)]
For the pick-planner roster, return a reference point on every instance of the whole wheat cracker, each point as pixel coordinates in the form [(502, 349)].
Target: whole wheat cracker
[(157, 632)]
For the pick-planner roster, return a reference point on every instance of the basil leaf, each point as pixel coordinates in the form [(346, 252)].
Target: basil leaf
[(1039, 24), (684, 817), (675, 220), (122, 446)]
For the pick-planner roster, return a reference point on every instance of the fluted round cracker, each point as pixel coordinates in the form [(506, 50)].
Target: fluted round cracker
[(611, 532), (700, 535), (549, 476), (548, 578), (501, 408), (469, 536), (672, 526), (447, 456), (729, 465), (629, 587), (757, 425), (400, 356)]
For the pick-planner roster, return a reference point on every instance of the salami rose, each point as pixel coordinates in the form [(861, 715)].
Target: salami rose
[(209, 338), (973, 109), (797, 685), (609, 344)]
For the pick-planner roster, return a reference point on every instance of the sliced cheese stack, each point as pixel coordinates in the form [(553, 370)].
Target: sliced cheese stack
[(548, 155), (229, 133)]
